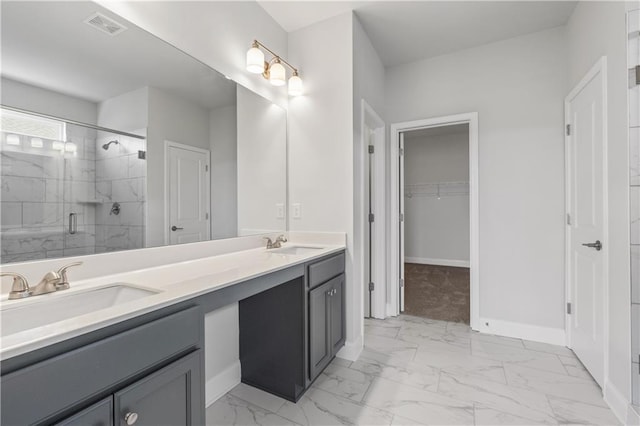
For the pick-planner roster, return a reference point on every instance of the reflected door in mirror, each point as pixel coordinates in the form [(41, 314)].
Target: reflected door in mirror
[(188, 193)]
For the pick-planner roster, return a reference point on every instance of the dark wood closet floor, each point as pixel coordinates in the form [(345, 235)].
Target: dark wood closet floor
[(437, 292)]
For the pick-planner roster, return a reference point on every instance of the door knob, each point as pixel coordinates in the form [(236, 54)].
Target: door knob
[(597, 245), (175, 228), (131, 418)]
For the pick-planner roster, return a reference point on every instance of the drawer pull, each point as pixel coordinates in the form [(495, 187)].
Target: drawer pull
[(131, 418)]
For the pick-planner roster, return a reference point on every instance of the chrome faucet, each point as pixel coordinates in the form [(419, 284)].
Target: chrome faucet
[(277, 243), (20, 287), (52, 281)]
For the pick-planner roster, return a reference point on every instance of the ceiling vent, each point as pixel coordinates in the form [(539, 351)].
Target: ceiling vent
[(105, 24)]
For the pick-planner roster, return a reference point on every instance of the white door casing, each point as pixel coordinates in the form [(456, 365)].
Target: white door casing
[(397, 197), (401, 220), (374, 235), (186, 194), (586, 205)]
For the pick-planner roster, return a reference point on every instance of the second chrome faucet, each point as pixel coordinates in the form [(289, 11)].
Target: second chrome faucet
[(277, 243)]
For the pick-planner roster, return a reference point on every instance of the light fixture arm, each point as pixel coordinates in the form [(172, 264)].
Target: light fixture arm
[(256, 44)]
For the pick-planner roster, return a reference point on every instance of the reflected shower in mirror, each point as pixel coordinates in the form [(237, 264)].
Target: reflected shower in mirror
[(112, 139)]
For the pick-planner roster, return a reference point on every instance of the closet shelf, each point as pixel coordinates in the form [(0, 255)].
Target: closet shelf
[(436, 189)]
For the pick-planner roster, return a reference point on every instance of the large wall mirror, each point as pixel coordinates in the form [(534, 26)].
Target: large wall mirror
[(112, 139)]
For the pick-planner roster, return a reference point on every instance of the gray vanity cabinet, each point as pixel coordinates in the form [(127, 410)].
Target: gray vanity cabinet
[(326, 324), (166, 397), (99, 414)]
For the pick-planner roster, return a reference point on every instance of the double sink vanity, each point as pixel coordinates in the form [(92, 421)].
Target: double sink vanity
[(128, 348)]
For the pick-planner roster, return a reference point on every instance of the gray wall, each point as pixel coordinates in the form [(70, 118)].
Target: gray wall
[(32, 98), (437, 230), (224, 172)]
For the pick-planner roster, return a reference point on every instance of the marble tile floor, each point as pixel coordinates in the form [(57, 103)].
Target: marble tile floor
[(415, 371)]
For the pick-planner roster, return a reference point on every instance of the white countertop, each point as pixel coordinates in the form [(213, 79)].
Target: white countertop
[(175, 282)]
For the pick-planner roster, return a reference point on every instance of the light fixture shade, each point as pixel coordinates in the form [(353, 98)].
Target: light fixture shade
[(277, 74), (295, 85), (36, 143), (255, 61), (70, 147), (57, 145), (13, 140)]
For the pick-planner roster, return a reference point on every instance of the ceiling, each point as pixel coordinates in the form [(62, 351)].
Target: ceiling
[(47, 44), (406, 31)]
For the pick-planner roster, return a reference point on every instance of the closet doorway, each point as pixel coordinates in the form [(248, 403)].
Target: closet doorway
[(436, 223), (434, 188)]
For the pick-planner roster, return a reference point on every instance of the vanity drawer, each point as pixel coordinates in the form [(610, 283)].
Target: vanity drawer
[(49, 388), (326, 269)]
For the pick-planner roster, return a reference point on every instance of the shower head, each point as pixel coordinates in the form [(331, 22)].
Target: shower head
[(106, 145)]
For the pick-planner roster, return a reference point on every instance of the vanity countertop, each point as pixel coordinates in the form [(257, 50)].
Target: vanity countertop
[(175, 282)]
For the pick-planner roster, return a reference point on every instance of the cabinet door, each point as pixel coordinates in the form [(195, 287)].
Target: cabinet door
[(99, 414), (170, 396), (319, 329), (337, 314)]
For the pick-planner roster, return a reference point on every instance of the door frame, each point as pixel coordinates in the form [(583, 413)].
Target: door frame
[(369, 119), (600, 67), (167, 208), (470, 118)]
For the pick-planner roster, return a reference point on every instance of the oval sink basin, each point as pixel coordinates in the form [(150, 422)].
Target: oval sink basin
[(296, 250), (42, 310)]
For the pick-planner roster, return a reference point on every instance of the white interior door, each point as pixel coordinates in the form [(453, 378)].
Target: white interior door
[(187, 195), (586, 172), (401, 224)]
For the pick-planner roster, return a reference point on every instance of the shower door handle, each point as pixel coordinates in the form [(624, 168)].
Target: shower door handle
[(175, 228), (73, 223)]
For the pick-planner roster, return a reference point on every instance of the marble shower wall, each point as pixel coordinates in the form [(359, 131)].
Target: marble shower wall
[(40, 188), (120, 178), (633, 30)]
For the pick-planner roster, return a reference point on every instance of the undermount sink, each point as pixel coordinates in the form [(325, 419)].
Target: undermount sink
[(42, 310), (296, 250)]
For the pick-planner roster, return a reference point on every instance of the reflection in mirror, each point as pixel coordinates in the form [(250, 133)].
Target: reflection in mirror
[(115, 141)]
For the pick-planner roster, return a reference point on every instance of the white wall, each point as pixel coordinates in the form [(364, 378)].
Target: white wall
[(321, 142), (368, 85), (436, 158), (224, 179), (176, 120), (32, 98), (517, 86), (127, 112), (598, 29), (437, 230), (262, 163), (218, 33)]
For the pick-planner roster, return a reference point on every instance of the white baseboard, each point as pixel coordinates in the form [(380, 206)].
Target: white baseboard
[(554, 336), (351, 350), (438, 262), (222, 383), (620, 406)]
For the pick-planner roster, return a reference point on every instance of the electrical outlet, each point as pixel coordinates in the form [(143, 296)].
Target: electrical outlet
[(279, 211), (297, 210)]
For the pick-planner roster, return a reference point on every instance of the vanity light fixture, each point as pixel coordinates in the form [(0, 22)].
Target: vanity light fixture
[(70, 147), (13, 140), (36, 143), (273, 70)]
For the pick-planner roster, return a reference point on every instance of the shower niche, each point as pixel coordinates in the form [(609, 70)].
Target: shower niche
[(59, 190)]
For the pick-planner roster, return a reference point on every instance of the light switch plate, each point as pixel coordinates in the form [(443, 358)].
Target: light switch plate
[(279, 211), (297, 210)]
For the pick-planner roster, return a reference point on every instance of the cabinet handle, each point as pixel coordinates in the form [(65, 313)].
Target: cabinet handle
[(131, 418)]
